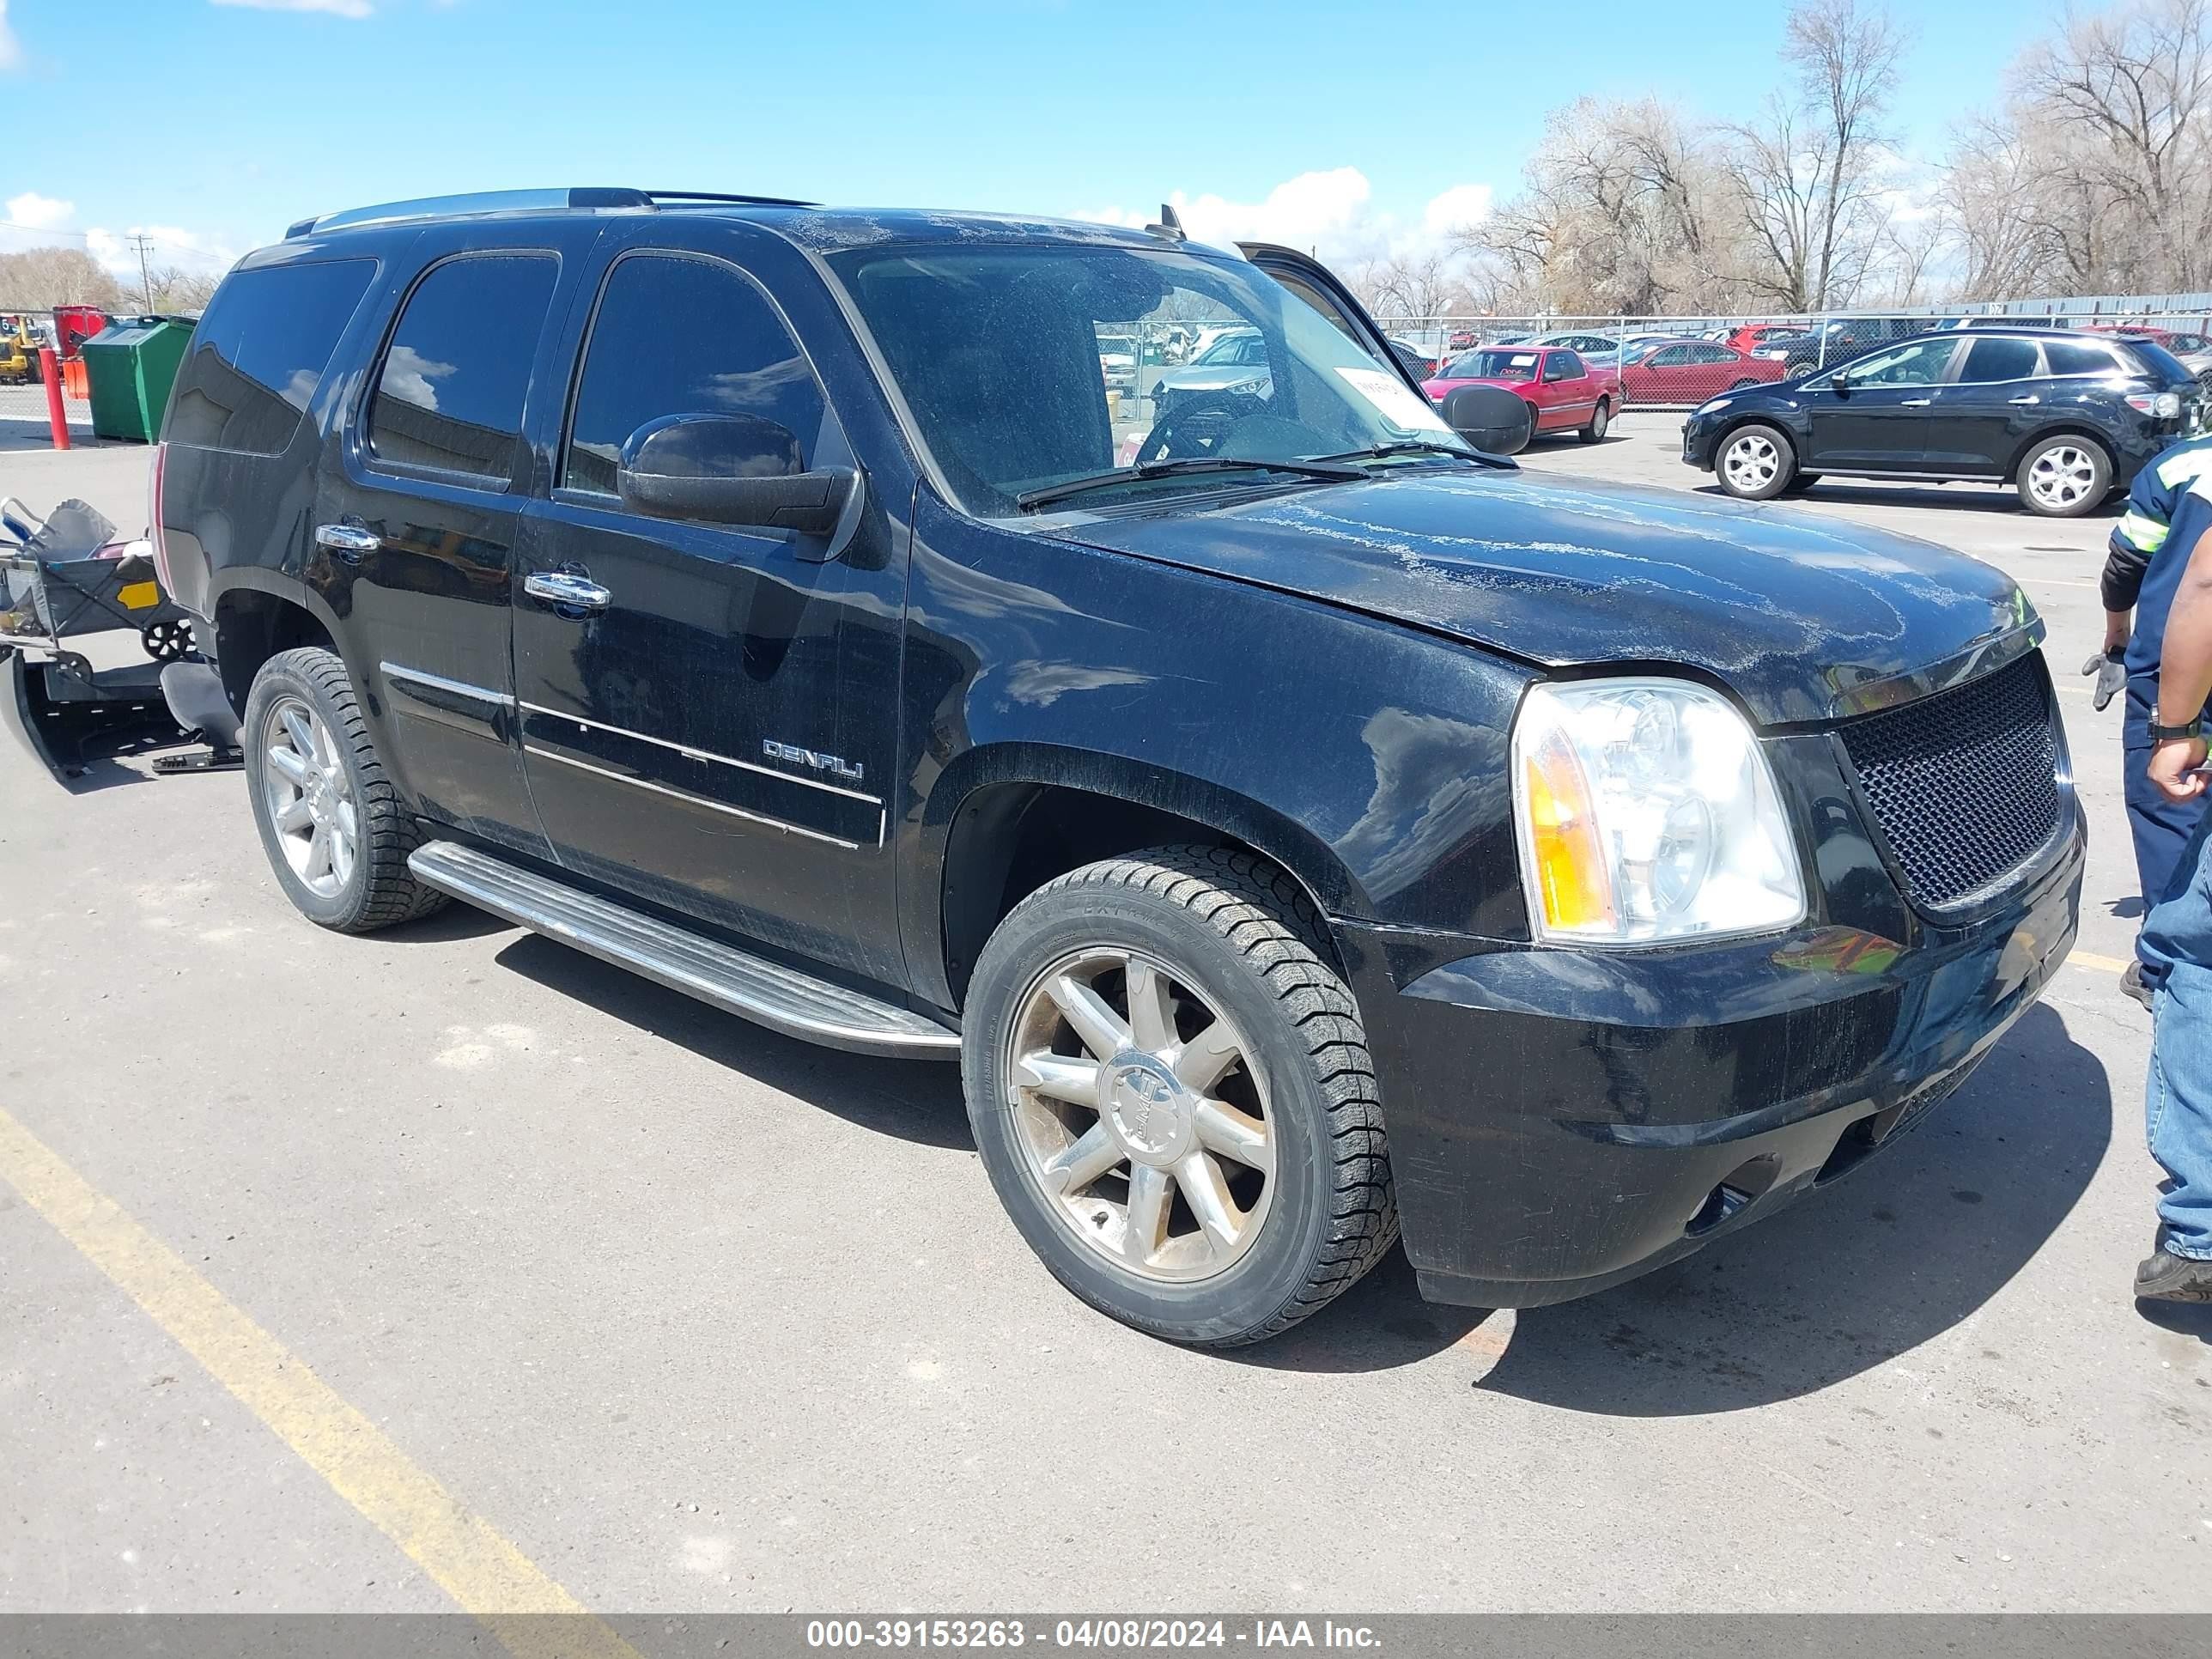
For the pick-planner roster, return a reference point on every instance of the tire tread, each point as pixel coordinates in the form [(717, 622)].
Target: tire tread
[(1265, 916)]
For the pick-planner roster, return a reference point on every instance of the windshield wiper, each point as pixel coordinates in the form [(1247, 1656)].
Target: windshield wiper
[(1029, 500), (1414, 447)]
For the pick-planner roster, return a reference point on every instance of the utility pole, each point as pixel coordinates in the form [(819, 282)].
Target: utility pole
[(145, 273)]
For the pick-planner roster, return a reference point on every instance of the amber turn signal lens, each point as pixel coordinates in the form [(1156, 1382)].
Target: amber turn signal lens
[(1570, 864)]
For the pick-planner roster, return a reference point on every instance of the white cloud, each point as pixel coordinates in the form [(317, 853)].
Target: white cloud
[(11, 49), (335, 7), (34, 211), (1331, 213), (173, 245)]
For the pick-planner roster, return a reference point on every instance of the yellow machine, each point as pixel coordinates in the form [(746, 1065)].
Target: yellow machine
[(19, 351)]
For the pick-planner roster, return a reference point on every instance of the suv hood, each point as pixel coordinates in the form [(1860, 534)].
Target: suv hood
[(1805, 618)]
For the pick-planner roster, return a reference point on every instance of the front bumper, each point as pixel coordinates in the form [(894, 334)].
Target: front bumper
[(1561, 1120)]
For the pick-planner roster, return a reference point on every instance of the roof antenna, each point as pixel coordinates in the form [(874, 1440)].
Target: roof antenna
[(1170, 226)]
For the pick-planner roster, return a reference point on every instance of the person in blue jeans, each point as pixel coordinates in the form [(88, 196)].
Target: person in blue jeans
[(2175, 947), (2159, 827)]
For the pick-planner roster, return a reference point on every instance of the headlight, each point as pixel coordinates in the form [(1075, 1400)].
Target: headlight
[(1711, 404), (1646, 813)]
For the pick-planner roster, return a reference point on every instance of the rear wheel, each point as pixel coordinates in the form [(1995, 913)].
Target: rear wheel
[(1601, 417), (2063, 477), (1802, 483), (332, 823), (1172, 1092), (1756, 463)]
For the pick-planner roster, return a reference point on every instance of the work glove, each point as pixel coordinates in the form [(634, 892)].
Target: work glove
[(2111, 669)]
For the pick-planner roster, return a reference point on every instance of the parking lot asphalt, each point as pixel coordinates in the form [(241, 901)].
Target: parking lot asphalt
[(687, 1316)]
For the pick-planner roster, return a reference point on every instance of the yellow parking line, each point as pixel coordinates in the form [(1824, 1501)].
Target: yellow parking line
[(2103, 964), (532, 1617)]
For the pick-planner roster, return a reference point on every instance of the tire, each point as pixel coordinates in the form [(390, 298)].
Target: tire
[(1601, 417), (1764, 462), (372, 888), (1801, 482), (2064, 477), (1233, 946)]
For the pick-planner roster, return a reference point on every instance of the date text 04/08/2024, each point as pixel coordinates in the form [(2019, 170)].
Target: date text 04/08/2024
[(1108, 1635)]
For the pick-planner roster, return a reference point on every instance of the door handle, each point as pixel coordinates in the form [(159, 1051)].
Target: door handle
[(1914, 402), (567, 590), (2030, 399), (347, 541)]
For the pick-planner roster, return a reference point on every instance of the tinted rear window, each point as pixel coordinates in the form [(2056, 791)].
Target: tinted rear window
[(259, 352), (449, 392), (2074, 357), (2157, 361)]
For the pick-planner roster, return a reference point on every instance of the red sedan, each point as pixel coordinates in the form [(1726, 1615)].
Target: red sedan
[(1564, 392), (1752, 336), (1692, 371)]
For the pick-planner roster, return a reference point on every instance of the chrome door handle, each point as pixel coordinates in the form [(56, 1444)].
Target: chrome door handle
[(1914, 402), (347, 541), (2030, 399), (567, 590)]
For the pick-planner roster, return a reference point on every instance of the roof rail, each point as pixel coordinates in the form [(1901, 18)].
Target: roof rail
[(487, 201), (716, 196)]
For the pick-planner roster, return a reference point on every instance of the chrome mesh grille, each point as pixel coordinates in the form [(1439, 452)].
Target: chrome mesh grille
[(1963, 784)]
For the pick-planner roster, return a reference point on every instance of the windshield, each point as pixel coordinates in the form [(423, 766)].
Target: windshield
[(995, 351), (1491, 366)]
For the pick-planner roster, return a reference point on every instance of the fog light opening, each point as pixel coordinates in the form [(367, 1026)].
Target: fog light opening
[(1746, 1182)]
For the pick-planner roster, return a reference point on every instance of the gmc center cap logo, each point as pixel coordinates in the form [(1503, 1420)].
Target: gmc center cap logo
[(1147, 1109)]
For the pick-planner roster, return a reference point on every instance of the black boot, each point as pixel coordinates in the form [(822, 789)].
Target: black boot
[(2163, 1276)]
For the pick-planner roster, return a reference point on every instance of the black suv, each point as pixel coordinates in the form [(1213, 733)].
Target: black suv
[(2066, 418), (1296, 824)]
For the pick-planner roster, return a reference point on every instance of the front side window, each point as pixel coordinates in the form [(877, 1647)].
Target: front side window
[(1669, 357), (993, 350), (677, 336), (1992, 359), (449, 392), (1919, 363)]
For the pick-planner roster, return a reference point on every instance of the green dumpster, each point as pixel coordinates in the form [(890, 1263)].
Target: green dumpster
[(131, 364)]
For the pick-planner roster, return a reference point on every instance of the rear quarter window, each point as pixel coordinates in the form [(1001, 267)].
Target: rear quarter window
[(2157, 361), (260, 351), (2074, 357)]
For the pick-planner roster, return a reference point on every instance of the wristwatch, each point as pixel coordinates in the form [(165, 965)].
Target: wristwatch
[(2194, 728)]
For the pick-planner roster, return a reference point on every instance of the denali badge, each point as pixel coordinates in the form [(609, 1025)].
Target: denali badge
[(835, 764)]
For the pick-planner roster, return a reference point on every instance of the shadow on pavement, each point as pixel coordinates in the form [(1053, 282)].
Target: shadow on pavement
[(1849, 1277), (1981, 498), (1843, 1280), (916, 1100)]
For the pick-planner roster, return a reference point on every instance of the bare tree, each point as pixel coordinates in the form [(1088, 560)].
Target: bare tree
[(37, 278), (2114, 110), (172, 289), (1809, 169)]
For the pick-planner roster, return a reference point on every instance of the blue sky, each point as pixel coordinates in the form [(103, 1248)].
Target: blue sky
[(1351, 126)]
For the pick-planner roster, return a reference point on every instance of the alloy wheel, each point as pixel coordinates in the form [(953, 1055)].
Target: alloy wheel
[(1141, 1114), (1752, 462), (2061, 475), (309, 795)]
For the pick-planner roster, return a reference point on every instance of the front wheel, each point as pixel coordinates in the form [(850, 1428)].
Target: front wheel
[(1756, 463), (2063, 477), (1601, 417), (335, 830), (1170, 1089)]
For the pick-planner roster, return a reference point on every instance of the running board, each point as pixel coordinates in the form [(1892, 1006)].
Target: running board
[(782, 999)]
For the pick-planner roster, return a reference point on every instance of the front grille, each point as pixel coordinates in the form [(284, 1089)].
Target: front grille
[(1963, 784)]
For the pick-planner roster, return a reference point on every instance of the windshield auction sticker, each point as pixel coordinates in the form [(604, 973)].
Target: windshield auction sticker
[(1400, 404)]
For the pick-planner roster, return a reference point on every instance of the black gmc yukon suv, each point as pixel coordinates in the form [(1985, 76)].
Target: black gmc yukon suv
[(1298, 826)]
